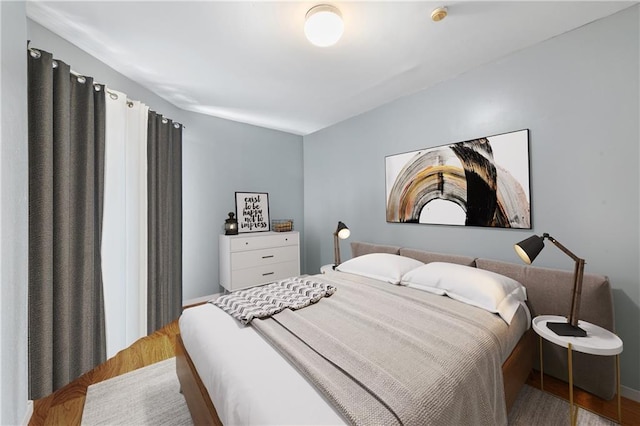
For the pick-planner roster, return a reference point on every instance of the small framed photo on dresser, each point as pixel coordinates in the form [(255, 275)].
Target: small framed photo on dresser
[(252, 211)]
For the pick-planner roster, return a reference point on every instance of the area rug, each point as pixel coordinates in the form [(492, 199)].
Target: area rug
[(147, 396), (534, 407), (151, 396)]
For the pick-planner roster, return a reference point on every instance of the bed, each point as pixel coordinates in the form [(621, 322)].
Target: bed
[(235, 375)]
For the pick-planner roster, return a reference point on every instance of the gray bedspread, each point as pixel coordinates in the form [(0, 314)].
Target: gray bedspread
[(386, 355)]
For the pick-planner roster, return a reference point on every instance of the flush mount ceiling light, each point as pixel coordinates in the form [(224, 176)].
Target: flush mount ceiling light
[(323, 25)]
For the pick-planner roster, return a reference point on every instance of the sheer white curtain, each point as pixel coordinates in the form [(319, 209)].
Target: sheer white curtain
[(124, 226)]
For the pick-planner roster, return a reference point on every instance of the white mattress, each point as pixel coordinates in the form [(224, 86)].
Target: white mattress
[(250, 383)]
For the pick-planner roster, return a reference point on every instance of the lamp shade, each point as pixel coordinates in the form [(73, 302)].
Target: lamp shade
[(530, 248), (342, 231), (323, 25)]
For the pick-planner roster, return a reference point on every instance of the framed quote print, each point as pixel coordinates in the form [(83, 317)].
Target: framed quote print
[(252, 211)]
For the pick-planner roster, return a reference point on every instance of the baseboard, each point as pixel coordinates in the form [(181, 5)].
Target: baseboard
[(630, 393), (198, 300), (28, 414)]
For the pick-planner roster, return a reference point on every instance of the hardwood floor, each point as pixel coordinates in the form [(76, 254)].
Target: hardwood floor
[(609, 409), (64, 407)]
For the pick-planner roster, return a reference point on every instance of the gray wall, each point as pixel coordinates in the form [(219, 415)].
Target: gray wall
[(219, 158), (578, 95), (226, 157), (13, 214)]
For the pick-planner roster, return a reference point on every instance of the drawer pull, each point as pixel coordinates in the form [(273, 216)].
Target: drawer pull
[(267, 273), (267, 257)]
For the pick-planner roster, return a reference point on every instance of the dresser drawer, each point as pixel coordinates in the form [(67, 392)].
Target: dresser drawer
[(258, 258), (263, 241), (251, 258), (249, 277)]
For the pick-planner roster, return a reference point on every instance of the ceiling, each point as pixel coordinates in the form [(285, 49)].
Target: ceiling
[(250, 62)]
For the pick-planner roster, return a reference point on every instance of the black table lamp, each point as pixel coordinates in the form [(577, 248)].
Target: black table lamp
[(342, 232), (528, 250)]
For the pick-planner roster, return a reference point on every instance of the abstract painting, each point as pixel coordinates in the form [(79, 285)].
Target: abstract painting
[(479, 182)]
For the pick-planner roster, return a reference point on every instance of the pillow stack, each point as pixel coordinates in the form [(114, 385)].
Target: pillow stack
[(477, 287)]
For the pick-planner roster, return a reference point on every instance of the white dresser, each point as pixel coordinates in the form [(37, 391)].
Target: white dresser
[(247, 260)]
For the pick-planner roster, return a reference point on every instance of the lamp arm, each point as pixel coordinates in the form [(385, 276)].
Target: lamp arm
[(336, 250), (561, 247), (578, 275), (577, 293)]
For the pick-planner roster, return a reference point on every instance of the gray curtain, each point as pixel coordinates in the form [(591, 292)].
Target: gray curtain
[(164, 151), (66, 161)]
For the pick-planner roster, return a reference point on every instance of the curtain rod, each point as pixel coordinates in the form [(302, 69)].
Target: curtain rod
[(35, 53)]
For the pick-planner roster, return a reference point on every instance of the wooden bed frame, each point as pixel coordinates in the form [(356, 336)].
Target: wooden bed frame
[(515, 371), (195, 393)]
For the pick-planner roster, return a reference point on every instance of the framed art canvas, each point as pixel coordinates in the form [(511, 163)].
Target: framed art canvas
[(252, 211), (479, 182)]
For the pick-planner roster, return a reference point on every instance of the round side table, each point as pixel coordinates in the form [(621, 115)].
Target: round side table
[(598, 341)]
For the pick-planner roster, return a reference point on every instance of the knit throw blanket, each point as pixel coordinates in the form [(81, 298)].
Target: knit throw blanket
[(267, 300), (387, 356)]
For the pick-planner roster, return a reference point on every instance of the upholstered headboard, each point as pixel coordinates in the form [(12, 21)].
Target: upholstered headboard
[(549, 293), (360, 248), (428, 257)]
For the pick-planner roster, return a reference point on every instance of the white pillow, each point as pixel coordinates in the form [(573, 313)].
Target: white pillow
[(380, 266), (478, 287)]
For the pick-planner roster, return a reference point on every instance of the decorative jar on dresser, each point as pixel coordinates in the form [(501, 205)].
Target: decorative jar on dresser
[(247, 260)]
